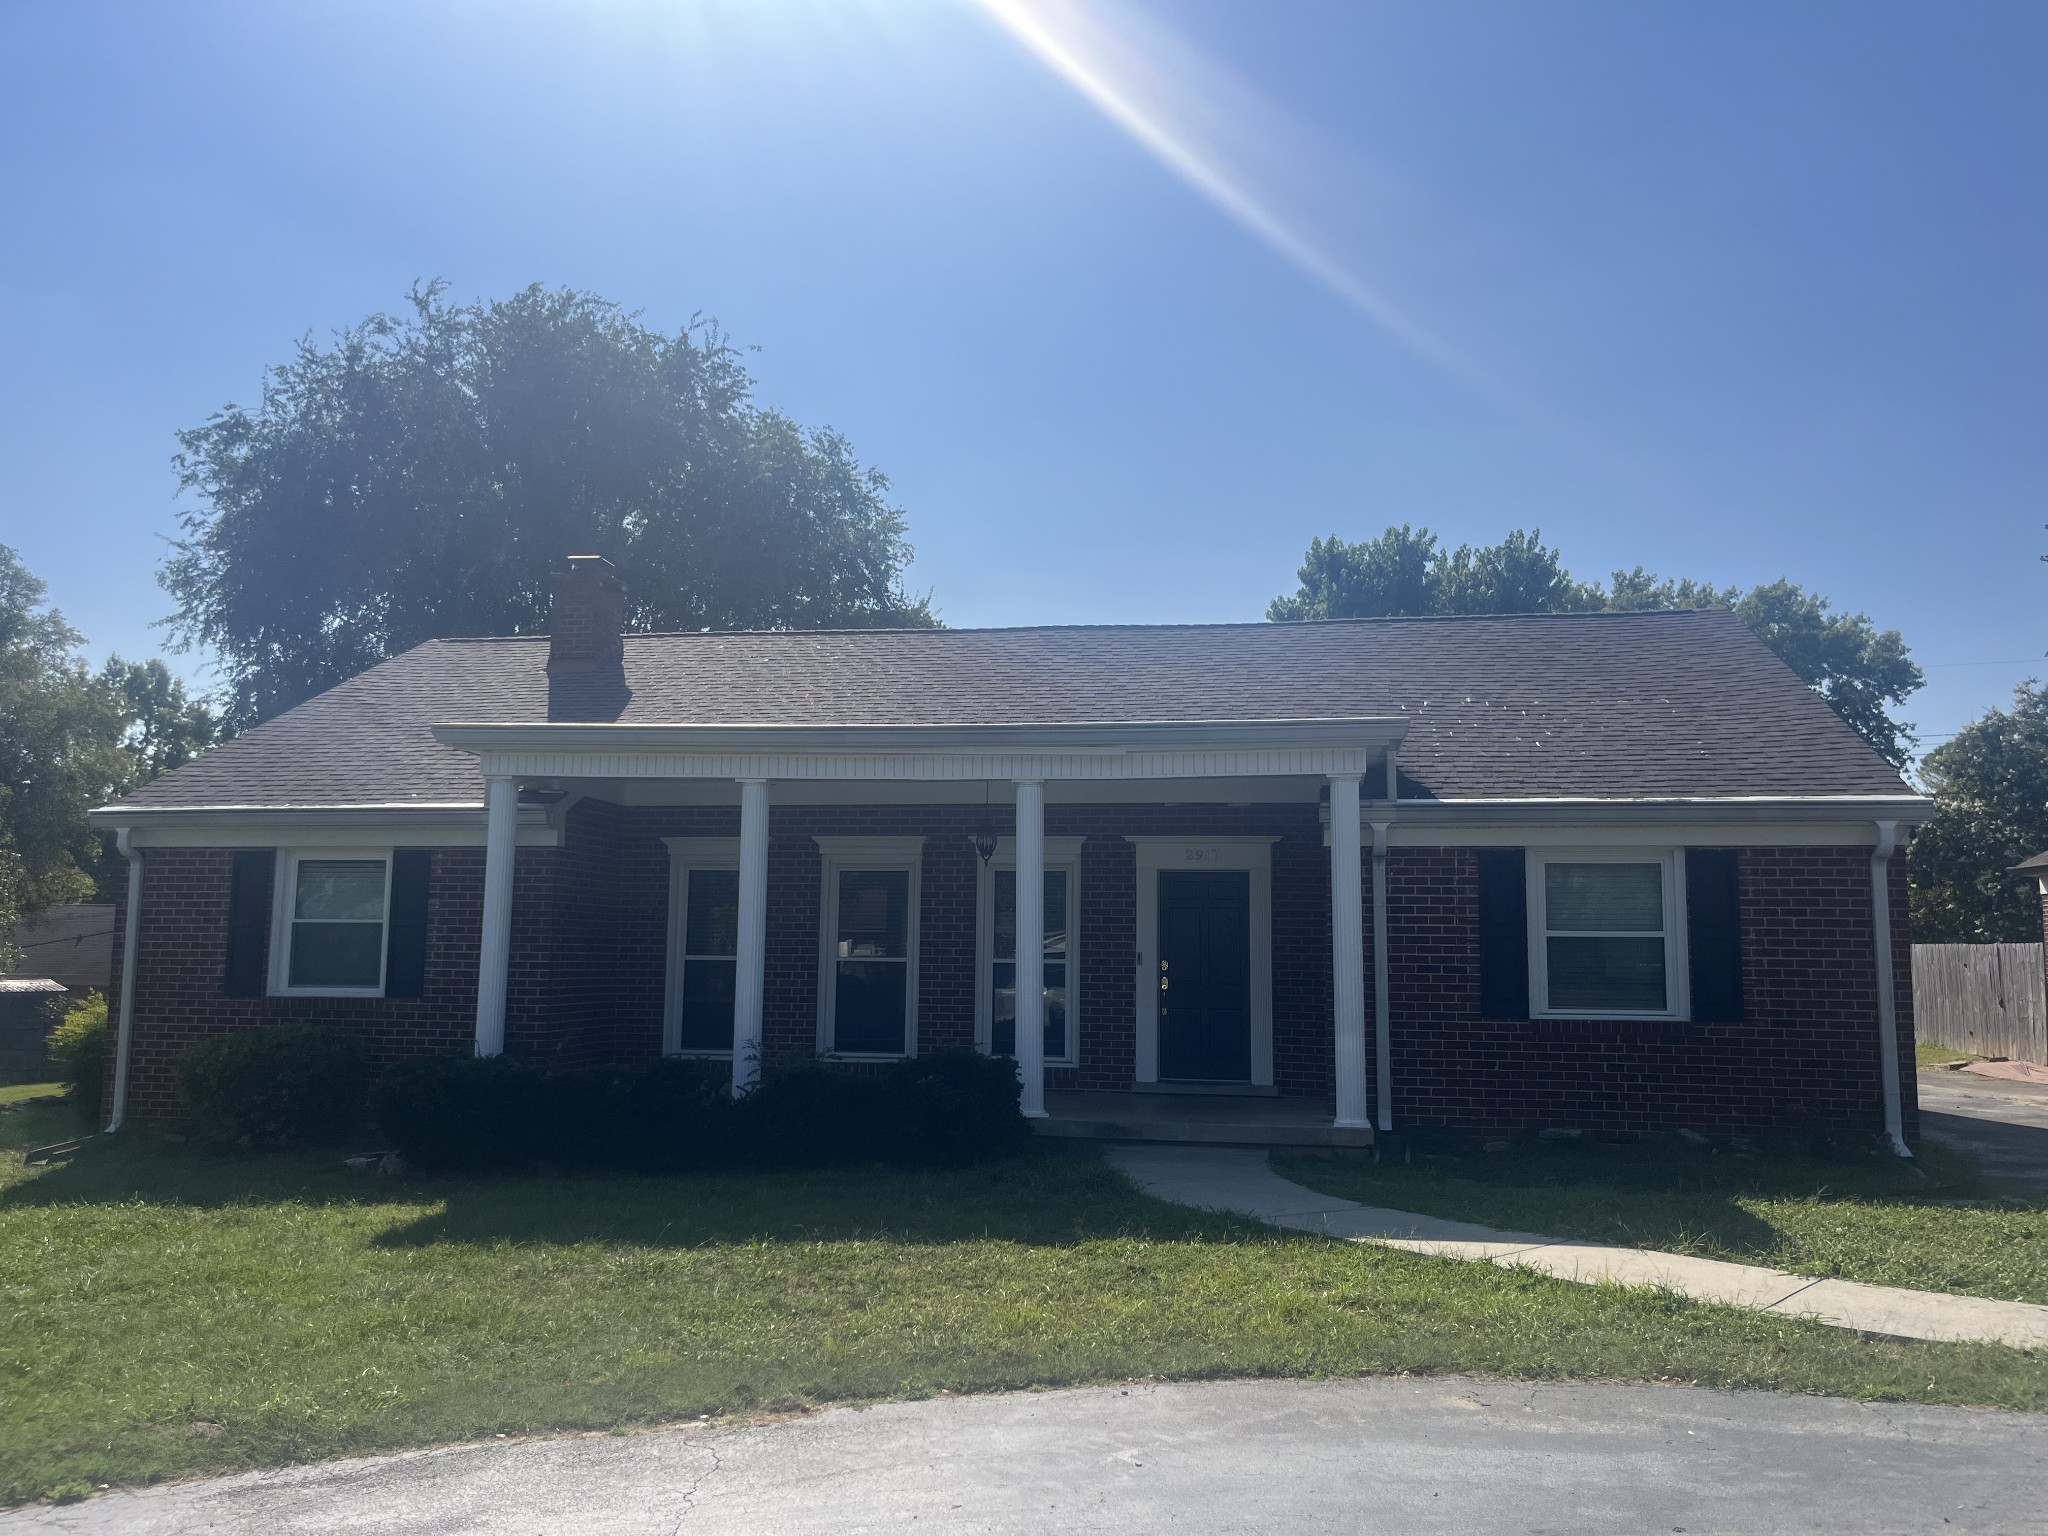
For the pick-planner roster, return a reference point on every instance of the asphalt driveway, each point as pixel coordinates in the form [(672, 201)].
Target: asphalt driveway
[(1433, 1455), (2003, 1125)]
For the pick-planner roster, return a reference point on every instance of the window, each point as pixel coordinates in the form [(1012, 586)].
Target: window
[(867, 1000), (996, 981), (331, 912), (1606, 935), (703, 945)]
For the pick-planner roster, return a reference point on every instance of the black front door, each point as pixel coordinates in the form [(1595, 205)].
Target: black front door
[(1205, 976)]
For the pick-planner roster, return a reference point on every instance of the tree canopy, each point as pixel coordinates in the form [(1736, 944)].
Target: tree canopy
[(1990, 788), (1858, 668), (421, 475), (70, 739)]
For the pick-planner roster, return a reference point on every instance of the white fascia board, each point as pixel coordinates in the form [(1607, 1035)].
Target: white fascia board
[(1783, 821), (1127, 750), (344, 826)]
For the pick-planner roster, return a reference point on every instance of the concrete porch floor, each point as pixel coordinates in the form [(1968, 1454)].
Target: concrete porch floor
[(1202, 1119)]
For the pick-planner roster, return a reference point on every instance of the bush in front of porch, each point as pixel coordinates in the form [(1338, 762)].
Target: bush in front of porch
[(671, 1115)]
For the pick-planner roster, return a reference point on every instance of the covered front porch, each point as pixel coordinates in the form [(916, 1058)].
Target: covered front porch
[(1164, 923)]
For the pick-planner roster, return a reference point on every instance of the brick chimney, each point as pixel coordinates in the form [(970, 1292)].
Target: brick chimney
[(586, 618)]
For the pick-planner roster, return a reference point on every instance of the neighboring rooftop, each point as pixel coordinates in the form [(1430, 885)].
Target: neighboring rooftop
[(1611, 705)]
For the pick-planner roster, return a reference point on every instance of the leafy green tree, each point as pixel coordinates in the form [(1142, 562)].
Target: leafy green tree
[(60, 753), (166, 729), (1858, 668), (421, 476), (71, 739), (1990, 788), (1406, 573)]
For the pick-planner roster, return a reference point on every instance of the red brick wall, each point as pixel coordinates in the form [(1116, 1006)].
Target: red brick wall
[(590, 934), (1806, 1052), (181, 956)]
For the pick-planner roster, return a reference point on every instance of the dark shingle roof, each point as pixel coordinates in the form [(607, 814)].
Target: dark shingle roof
[(1624, 706)]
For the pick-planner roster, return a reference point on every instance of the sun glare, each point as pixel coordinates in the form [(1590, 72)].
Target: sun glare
[(1219, 137)]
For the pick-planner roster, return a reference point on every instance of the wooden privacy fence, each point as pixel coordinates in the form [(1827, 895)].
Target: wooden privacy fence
[(1987, 999)]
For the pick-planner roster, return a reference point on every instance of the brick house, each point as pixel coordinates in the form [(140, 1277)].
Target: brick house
[(1605, 870)]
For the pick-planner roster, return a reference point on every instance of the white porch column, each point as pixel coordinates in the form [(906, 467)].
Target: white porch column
[(494, 953), (1031, 945), (750, 979), (1347, 947), (1887, 999)]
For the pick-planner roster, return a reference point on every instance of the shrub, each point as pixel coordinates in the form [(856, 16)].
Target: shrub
[(447, 1113), (78, 1045), (284, 1085), (808, 1117), (955, 1107), (464, 1112), (660, 1116)]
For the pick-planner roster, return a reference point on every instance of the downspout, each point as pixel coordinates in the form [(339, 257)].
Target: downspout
[(124, 1039), (1382, 1033), (1382, 1013), (1887, 999)]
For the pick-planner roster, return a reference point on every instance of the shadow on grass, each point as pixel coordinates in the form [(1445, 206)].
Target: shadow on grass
[(1048, 1195)]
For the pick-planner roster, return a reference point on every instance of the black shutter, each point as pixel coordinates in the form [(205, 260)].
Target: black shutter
[(248, 922), (405, 954), (1503, 934), (1713, 915)]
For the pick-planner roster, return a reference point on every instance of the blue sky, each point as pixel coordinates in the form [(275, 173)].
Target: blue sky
[(1129, 301)]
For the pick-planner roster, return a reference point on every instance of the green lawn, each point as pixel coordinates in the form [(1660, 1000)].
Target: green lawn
[(169, 1311), (1856, 1214), (1927, 1054), (15, 1093)]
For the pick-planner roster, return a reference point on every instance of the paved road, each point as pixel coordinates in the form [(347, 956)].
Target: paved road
[(1420, 1456), (2004, 1125)]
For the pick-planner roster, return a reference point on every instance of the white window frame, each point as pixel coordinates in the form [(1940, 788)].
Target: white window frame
[(1062, 853), (685, 855), (1677, 979), (284, 891), (839, 855)]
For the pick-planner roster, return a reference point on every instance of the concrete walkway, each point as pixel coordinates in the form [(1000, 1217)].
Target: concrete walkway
[(1227, 1179), (1446, 1456)]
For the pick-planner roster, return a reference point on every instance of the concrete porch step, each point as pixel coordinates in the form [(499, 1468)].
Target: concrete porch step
[(1196, 1120)]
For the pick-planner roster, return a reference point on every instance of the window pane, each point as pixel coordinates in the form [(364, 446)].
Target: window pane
[(1623, 975), (337, 954), (1055, 1011), (712, 924), (707, 1005), (1604, 898), (341, 889), (1006, 914), (874, 913), (869, 1006), (1055, 913), (1003, 1024)]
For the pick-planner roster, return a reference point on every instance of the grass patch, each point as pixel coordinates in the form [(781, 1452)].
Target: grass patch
[(1853, 1213), (171, 1311), (1927, 1054), (16, 1093)]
